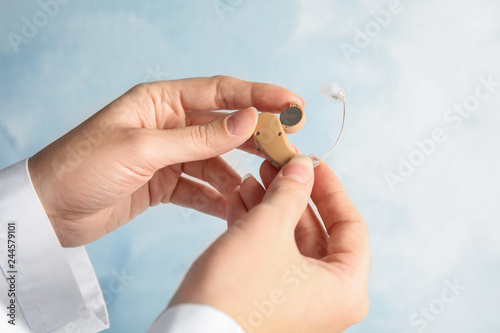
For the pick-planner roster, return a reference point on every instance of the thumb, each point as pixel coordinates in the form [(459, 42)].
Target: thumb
[(286, 198), (201, 142)]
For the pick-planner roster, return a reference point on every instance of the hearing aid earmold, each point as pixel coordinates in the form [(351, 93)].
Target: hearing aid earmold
[(270, 134)]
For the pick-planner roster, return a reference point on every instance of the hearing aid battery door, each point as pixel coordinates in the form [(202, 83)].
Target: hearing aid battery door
[(270, 138), (292, 118)]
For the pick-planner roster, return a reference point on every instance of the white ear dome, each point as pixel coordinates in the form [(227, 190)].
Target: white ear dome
[(331, 91)]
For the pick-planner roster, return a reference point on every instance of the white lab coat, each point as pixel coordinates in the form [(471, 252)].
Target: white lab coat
[(56, 289)]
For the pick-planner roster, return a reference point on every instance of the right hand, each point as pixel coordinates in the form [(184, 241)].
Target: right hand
[(277, 269)]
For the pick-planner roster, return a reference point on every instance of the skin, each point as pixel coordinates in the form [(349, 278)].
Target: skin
[(134, 154), (276, 245)]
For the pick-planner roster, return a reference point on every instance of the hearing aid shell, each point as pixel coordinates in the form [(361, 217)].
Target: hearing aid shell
[(270, 134)]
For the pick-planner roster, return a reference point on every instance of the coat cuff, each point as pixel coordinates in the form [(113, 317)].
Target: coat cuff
[(57, 289), (194, 318)]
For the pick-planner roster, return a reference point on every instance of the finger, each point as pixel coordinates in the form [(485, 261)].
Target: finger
[(267, 173), (201, 118), (310, 234), (228, 93), (235, 208), (287, 196), (191, 194), (331, 199), (250, 147), (251, 191), (194, 143), (348, 233), (215, 171)]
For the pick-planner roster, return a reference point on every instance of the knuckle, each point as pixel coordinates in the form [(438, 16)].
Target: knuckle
[(204, 135), (218, 93), (147, 95), (139, 142), (146, 89), (219, 77), (140, 88), (220, 97)]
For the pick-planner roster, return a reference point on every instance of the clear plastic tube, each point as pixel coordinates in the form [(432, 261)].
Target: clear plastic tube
[(330, 92)]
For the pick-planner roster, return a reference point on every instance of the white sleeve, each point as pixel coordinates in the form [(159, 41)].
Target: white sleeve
[(194, 318), (56, 289)]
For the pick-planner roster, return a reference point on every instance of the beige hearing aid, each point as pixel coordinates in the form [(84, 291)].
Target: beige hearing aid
[(270, 132)]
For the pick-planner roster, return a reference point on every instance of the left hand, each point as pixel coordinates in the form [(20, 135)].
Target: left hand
[(131, 155)]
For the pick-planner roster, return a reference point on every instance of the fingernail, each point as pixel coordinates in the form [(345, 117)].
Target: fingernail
[(300, 169), (246, 176), (304, 105), (241, 122)]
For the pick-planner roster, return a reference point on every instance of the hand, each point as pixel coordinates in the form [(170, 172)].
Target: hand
[(131, 154), (276, 269)]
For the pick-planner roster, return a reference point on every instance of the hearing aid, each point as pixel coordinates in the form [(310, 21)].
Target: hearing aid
[(270, 134)]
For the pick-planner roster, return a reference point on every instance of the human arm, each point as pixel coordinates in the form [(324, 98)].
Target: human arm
[(44, 287), (127, 157)]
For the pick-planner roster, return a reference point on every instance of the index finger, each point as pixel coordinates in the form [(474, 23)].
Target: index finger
[(228, 93), (344, 223)]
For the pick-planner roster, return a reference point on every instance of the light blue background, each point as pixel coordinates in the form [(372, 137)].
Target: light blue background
[(441, 223)]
